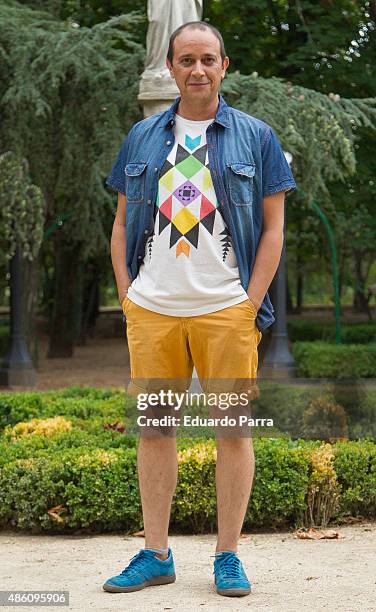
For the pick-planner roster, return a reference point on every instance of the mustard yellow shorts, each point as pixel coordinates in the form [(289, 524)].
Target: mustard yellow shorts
[(221, 345)]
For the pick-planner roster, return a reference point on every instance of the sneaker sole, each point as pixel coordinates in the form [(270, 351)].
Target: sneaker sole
[(138, 587), (234, 592)]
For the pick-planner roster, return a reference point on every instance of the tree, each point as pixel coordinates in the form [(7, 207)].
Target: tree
[(327, 46), (21, 231), (73, 93)]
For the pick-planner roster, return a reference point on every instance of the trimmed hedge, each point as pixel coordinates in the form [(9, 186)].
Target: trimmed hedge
[(352, 333), (62, 472), (84, 403), (97, 489), (84, 488), (323, 360), (355, 465)]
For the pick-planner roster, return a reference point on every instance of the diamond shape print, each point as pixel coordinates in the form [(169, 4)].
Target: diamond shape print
[(167, 180), (184, 221), (189, 166), (166, 207), (186, 193), (207, 181)]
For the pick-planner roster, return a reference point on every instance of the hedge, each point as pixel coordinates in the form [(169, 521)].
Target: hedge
[(84, 403), (62, 468), (97, 489), (324, 360), (352, 333), (289, 406)]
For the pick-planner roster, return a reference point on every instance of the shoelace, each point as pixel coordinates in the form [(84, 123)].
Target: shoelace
[(230, 564), (137, 563)]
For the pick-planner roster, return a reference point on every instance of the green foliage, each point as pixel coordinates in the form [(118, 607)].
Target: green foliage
[(290, 406), (307, 41), (281, 479), (68, 96), (355, 465), (92, 12), (323, 360), (21, 209), (316, 129), (96, 488), (194, 504), (328, 47), (359, 333), (82, 404), (64, 473)]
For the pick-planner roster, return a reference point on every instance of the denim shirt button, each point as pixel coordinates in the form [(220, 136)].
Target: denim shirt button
[(139, 257), (149, 201), (168, 142), (155, 169), (146, 231)]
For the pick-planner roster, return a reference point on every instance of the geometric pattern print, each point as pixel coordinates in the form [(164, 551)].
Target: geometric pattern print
[(186, 199)]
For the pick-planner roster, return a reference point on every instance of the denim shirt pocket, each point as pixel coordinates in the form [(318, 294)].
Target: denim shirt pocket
[(240, 179), (135, 177)]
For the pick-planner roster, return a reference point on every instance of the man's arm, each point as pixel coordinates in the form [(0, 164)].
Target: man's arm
[(118, 241), (269, 249)]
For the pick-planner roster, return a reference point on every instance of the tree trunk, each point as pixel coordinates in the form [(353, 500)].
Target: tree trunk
[(67, 299), (360, 303), (30, 281), (90, 301)]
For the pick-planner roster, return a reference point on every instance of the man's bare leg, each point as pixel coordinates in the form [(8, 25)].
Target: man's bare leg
[(234, 476), (157, 475)]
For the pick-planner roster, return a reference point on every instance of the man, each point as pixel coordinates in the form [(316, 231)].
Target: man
[(200, 226)]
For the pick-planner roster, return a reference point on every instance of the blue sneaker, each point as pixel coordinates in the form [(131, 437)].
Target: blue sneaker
[(145, 569), (230, 578)]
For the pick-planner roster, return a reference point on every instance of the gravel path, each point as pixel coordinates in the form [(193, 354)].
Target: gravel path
[(288, 574)]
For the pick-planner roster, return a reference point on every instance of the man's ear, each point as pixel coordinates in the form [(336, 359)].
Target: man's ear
[(169, 66), (225, 65)]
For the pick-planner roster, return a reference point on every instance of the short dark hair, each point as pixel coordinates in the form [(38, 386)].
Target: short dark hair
[(195, 25)]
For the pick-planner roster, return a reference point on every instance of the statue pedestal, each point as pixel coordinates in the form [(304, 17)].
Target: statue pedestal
[(157, 93)]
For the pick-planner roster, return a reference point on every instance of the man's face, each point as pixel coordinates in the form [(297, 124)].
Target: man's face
[(197, 65)]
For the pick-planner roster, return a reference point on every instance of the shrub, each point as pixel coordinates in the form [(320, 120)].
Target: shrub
[(93, 487), (288, 405), (67, 471), (308, 331), (194, 503), (280, 483), (323, 360), (355, 465), (83, 404), (38, 427), (325, 420), (323, 490)]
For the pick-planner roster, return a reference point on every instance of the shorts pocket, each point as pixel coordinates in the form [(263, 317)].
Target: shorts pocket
[(252, 307), (125, 304), (241, 183), (135, 176)]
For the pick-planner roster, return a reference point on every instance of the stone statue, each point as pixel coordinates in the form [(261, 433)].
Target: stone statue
[(164, 17)]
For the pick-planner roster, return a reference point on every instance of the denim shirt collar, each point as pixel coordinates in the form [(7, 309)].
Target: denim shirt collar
[(221, 116)]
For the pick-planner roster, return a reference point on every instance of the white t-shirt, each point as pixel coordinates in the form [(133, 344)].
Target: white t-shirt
[(189, 267)]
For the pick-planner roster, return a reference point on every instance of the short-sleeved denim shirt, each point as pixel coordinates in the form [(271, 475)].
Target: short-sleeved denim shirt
[(246, 162)]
